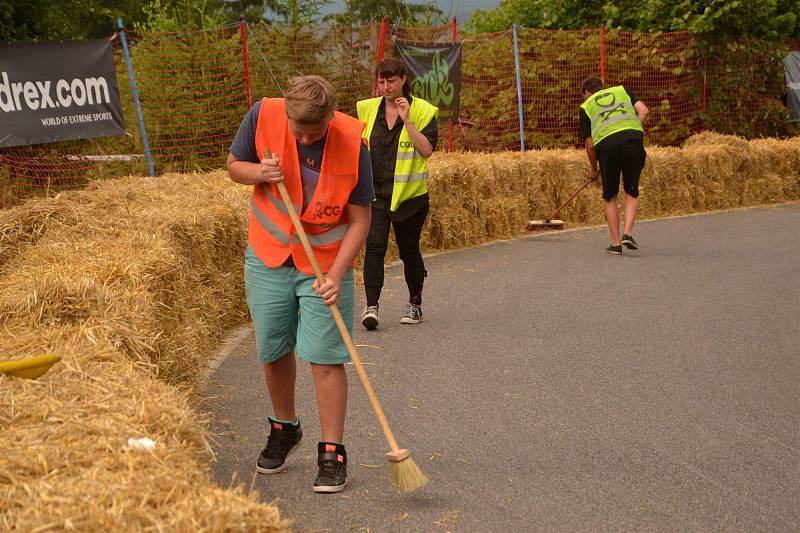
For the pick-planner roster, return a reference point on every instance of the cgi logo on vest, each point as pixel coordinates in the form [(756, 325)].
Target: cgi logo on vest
[(321, 211)]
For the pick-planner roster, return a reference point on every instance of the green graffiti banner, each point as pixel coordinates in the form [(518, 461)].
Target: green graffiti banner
[(435, 74)]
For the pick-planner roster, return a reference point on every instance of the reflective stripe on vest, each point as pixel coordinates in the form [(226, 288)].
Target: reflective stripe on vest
[(272, 235), (282, 208), (610, 111), (322, 238), (411, 168)]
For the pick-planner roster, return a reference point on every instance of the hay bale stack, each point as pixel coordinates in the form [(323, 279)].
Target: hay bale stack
[(155, 263), (23, 227), (782, 161), (480, 197), (66, 461), (129, 282)]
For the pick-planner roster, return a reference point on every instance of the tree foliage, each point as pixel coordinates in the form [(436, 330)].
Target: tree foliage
[(179, 15), (46, 20), (770, 19), (53, 20), (297, 12), (403, 12)]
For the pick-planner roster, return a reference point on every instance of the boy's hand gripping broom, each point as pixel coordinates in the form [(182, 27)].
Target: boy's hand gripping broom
[(405, 473)]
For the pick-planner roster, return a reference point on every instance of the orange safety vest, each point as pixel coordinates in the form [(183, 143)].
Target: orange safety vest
[(272, 236)]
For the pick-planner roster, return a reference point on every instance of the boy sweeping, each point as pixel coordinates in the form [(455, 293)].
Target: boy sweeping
[(611, 126), (326, 168)]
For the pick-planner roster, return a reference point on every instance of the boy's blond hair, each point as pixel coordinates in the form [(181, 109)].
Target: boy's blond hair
[(310, 100)]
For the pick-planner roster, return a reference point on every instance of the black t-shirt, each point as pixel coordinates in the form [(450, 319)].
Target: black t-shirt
[(243, 148), (585, 129), (383, 143)]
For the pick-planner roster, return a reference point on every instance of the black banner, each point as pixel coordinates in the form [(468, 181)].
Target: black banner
[(58, 91), (436, 74)]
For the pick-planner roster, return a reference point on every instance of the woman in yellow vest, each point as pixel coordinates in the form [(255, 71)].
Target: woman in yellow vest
[(402, 132), (611, 120), (288, 306)]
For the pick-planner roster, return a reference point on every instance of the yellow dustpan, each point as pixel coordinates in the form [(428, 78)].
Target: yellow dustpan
[(30, 368)]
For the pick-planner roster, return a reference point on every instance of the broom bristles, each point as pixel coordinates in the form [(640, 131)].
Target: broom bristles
[(406, 475)]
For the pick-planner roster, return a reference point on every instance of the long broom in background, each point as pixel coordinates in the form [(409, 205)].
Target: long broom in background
[(404, 472), (549, 222)]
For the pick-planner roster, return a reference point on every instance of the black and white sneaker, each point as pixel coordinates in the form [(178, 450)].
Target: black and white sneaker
[(615, 249), (413, 315), (369, 318), (630, 242), (332, 461), (283, 440)]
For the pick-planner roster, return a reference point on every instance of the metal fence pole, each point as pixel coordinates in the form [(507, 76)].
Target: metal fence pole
[(454, 35), (243, 32), (150, 167), (519, 92), (705, 84), (603, 53)]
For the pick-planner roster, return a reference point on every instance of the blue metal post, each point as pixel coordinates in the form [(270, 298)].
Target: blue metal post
[(519, 92), (136, 98)]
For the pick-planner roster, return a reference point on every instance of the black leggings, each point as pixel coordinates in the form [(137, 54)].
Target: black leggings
[(407, 233)]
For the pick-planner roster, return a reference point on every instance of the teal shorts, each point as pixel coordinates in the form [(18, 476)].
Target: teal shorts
[(288, 315)]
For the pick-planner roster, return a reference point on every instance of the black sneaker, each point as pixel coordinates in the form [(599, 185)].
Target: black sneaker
[(614, 249), (369, 318), (332, 461), (283, 440), (630, 242), (413, 315)]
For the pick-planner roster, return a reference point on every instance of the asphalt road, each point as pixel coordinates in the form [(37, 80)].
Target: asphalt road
[(552, 387)]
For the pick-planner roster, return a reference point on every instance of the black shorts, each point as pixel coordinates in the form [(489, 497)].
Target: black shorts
[(626, 158)]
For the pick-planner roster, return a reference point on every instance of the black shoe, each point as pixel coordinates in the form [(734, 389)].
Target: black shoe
[(283, 440), (614, 249), (630, 242), (413, 315), (369, 318), (332, 461)]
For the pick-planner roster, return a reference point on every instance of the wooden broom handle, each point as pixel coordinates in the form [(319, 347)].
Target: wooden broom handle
[(588, 181), (337, 316)]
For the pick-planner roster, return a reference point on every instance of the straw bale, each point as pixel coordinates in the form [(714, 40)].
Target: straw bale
[(479, 197), (782, 158), (705, 138), (476, 197), (22, 227), (66, 461), (159, 277), (137, 281)]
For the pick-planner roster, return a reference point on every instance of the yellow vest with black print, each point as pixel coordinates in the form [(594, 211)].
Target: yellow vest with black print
[(610, 111), (411, 169)]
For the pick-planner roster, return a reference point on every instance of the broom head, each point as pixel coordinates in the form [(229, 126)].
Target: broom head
[(542, 225), (405, 473)]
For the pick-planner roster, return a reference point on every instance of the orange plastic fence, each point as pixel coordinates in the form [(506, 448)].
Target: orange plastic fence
[(195, 87)]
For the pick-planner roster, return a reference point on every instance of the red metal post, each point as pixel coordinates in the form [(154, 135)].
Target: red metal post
[(381, 45), (454, 35), (603, 53), (243, 32)]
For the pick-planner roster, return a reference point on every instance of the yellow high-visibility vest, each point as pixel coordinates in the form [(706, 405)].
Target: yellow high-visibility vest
[(610, 111), (411, 168)]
